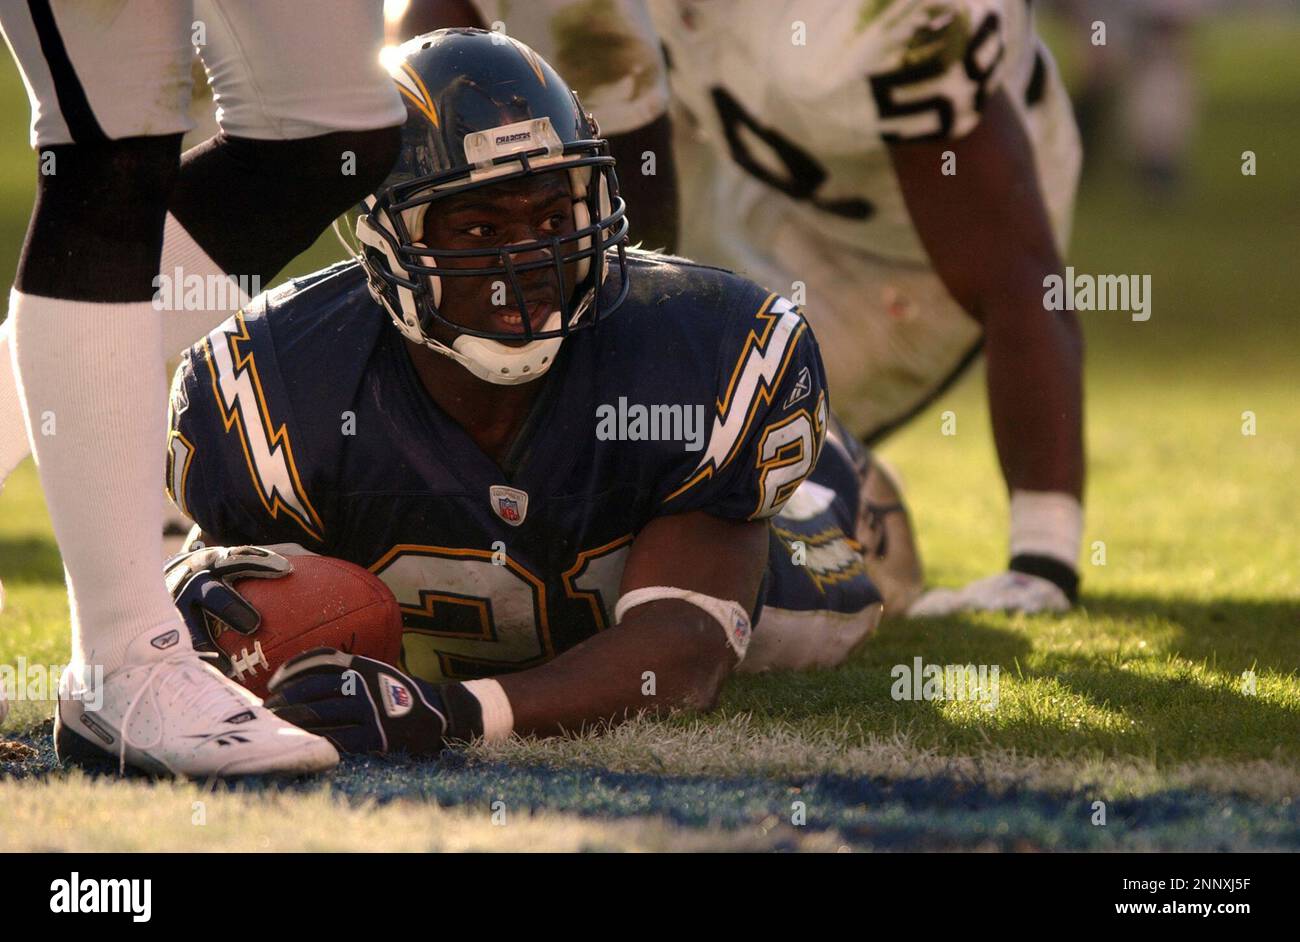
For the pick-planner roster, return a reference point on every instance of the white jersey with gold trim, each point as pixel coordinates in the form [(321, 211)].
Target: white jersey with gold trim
[(606, 51), (797, 101), (783, 116)]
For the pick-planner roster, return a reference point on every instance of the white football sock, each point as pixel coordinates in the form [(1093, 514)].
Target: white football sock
[(13, 429), (180, 328), (91, 379)]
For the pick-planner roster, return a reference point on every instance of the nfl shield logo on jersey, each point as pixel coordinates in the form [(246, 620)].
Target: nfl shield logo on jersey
[(509, 503), (397, 699)]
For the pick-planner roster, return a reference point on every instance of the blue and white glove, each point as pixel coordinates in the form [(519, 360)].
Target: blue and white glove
[(366, 706), (199, 583)]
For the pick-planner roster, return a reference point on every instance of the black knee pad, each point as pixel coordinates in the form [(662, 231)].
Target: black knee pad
[(97, 227), (254, 205)]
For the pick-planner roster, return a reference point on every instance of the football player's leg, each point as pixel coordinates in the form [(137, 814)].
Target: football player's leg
[(309, 125), (180, 327), (821, 603), (73, 101), (57, 59), (86, 352), (108, 105), (109, 98), (1160, 98)]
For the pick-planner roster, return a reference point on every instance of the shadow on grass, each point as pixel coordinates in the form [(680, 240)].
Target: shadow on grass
[(1153, 703), (1230, 635), (30, 559)]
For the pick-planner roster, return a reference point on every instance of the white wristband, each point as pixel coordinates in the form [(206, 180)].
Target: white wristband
[(731, 615), (1046, 523), (498, 717)]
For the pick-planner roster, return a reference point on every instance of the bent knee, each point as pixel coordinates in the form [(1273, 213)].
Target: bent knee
[(806, 640)]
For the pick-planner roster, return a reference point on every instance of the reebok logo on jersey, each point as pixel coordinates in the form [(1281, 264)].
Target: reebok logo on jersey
[(802, 387)]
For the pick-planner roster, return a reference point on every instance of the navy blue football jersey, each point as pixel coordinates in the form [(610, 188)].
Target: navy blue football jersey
[(303, 420)]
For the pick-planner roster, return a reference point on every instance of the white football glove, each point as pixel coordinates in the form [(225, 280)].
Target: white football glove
[(1007, 591)]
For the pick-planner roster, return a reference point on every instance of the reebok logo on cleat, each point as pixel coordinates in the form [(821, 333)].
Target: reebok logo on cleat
[(240, 717), (166, 640), (104, 735)]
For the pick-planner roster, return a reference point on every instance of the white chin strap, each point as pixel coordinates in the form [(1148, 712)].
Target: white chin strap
[(500, 363)]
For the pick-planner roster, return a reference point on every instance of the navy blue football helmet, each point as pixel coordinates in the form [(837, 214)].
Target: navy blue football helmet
[(483, 109)]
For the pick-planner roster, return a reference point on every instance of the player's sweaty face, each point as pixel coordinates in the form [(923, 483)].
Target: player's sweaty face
[(530, 209)]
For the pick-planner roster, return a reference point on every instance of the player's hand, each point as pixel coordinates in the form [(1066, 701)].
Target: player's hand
[(199, 583), (1005, 592), (359, 704)]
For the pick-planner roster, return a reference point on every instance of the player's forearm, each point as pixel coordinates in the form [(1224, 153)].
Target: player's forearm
[(1035, 388), (988, 234), (641, 665)]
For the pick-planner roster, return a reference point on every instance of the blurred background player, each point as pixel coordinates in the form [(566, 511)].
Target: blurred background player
[(308, 125), (1137, 82), (907, 170)]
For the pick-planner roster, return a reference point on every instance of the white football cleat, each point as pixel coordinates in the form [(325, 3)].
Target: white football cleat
[(1005, 592), (173, 713)]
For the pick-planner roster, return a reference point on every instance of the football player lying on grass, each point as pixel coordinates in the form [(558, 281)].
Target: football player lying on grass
[(583, 470)]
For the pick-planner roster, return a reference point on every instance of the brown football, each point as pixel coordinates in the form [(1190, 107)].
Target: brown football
[(324, 602)]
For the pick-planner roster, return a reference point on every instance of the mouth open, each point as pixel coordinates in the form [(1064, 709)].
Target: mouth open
[(510, 321)]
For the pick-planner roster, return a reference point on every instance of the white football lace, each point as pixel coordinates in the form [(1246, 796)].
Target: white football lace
[(248, 661), (207, 693)]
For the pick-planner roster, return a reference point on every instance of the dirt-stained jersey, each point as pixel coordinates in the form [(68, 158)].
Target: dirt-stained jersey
[(302, 420), (798, 99), (607, 51)]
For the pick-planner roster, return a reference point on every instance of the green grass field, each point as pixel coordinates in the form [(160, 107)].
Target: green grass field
[(1140, 699)]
